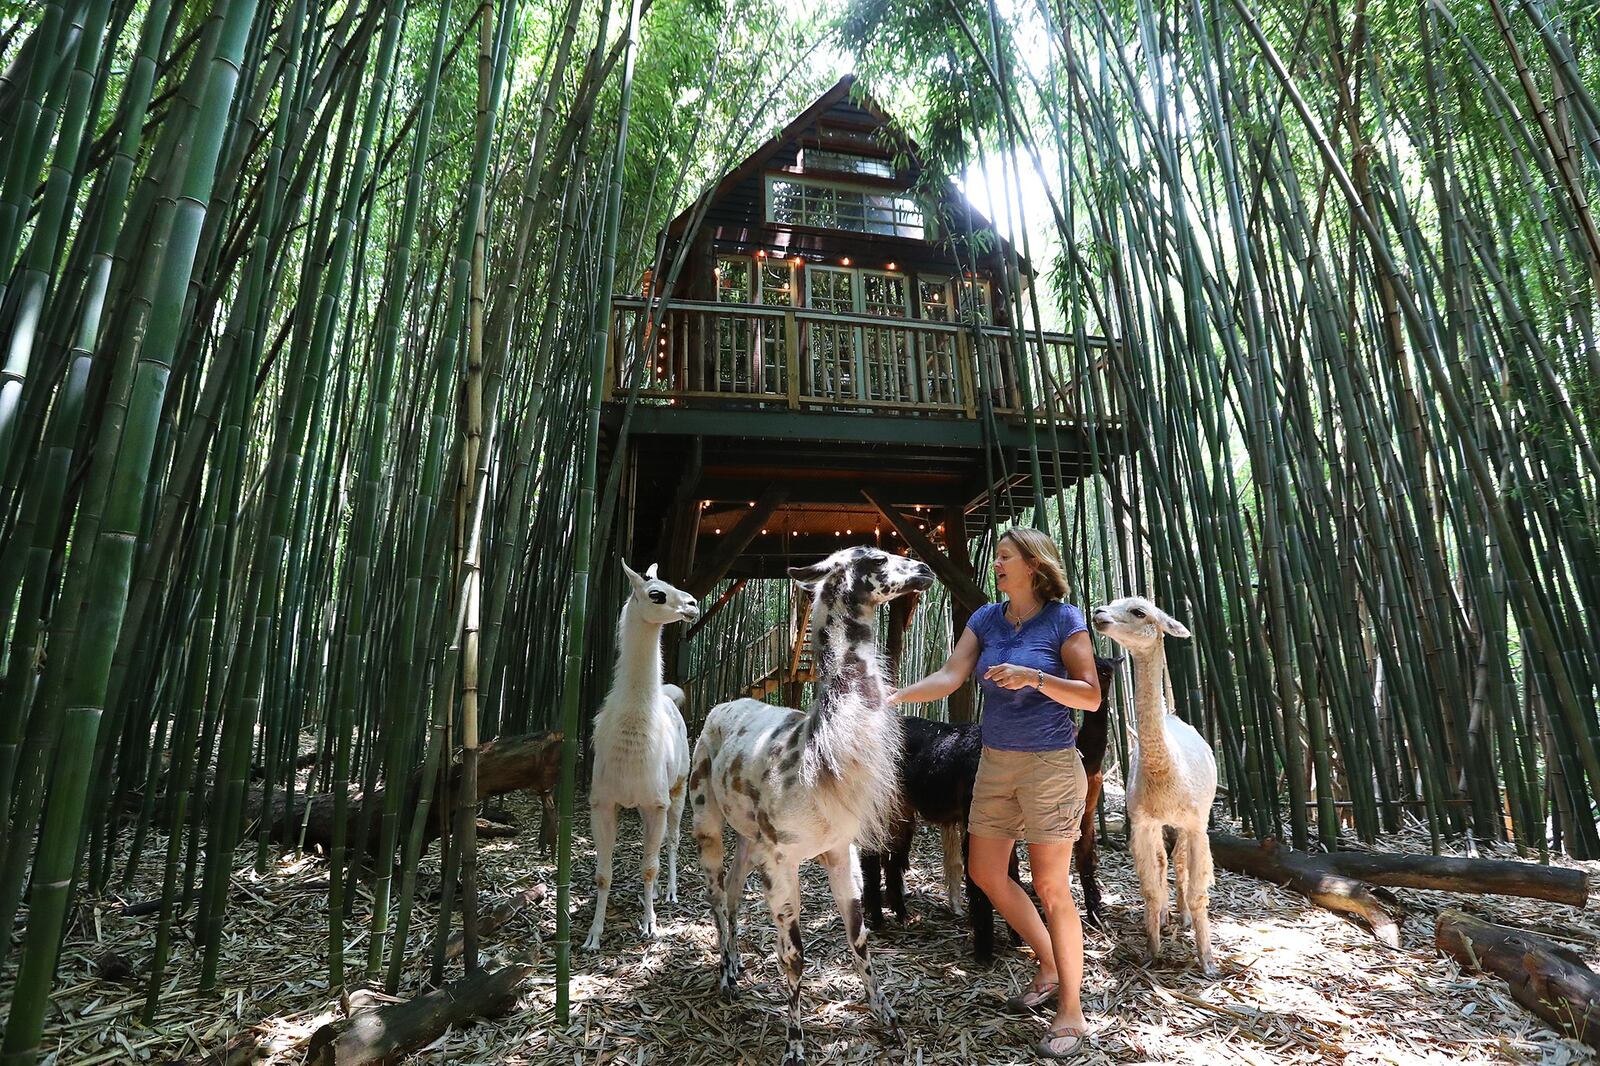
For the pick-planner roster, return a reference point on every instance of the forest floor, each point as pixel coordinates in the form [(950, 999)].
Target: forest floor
[(1297, 984)]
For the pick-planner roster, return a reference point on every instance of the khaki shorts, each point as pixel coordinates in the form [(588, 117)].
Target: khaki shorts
[(1035, 796)]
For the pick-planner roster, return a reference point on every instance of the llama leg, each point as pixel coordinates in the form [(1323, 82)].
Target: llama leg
[(899, 861), (1085, 853), (841, 869), (674, 832), (1199, 893), (980, 910), (603, 824), (655, 826), (1180, 878), (733, 887), (1150, 862), (783, 900), (872, 886), (955, 866), (708, 835)]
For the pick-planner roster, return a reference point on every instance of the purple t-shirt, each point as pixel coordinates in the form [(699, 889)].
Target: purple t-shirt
[(1024, 719)]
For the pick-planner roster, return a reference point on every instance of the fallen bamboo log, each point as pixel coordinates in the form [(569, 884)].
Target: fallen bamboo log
[(1548, 978), (389, 1033), (504, 765), (1305, 874), (502, 913), (1499, 877)]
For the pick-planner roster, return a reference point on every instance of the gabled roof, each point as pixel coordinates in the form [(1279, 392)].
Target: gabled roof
[(843, 91)]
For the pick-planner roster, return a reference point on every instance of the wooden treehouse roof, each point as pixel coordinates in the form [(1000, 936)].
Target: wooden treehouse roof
[(845, 107)]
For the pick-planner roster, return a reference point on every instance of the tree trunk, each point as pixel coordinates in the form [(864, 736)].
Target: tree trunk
[(504, 765), (1545, 977), (389, 1033), (1312, 878)]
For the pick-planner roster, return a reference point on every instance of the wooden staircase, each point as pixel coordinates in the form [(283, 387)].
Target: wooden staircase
[(799, 666)]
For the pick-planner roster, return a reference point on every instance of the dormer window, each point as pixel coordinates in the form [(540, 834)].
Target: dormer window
[(836, 205), (833, 162)]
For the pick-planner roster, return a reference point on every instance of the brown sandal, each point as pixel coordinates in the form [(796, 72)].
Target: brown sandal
[(1032, 998), (1047, 1047)]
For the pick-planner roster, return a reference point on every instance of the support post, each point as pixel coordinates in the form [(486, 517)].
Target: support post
[(961, 701)]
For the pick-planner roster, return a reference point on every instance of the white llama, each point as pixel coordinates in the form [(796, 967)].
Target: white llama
[(641, 746), (1173, 778), (798, 786)]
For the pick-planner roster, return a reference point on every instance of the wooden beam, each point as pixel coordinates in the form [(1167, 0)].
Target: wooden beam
[(738, 539), (722, 601), (963, 589)]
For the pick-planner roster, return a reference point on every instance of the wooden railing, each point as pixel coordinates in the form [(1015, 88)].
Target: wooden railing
[(697, 353)]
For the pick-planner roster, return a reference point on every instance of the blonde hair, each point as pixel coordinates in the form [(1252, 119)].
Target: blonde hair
[(1049, 575)]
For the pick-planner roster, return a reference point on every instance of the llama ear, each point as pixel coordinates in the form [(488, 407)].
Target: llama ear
[(1172, 627), (651, 572), (808, 576), (633, 579)]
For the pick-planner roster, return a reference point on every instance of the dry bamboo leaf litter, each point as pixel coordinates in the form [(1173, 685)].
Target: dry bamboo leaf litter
[(1298, 985)]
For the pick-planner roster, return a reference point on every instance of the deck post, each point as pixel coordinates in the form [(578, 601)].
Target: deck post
[(791, 345), (964, 368), (901, 610), (606, 388)]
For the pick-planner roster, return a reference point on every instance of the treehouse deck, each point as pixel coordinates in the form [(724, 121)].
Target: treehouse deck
[(760, 435)]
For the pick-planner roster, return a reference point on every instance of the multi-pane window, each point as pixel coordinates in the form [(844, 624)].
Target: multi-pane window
[(976, 306), (751, 351), (801, 202), (845, 163), (940, 383), (886, 352)]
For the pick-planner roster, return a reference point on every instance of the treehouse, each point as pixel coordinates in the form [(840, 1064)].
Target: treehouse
[(825, 357)]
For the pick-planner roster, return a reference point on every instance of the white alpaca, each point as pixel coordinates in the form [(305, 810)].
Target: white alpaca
[(1173, 778), (641, 746), (798, 786)]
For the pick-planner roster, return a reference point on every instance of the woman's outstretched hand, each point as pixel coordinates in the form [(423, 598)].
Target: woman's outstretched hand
[(1011, 677), (895, 699)]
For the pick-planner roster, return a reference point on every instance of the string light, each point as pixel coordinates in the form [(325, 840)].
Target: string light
[(717, 531), (893, 267), (845, 260)]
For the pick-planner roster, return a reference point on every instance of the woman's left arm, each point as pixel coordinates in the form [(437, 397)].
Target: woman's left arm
[(1079, 688)]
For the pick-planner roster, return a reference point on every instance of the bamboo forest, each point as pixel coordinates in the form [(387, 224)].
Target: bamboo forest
[(480, 479)]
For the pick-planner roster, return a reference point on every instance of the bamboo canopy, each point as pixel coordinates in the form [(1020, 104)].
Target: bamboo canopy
[(304, 313)]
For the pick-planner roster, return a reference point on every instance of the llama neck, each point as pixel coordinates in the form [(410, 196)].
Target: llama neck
[(850, 679), (853, 740), (638, 659), (1150, 709)]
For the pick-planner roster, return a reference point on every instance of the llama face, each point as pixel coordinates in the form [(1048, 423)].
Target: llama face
[(658, 601), (1136, 623), (863, 578)]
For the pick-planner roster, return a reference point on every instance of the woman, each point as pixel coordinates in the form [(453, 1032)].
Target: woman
[(1035, 662)]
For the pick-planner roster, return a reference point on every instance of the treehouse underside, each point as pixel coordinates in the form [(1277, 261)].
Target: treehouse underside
[(726, 493)]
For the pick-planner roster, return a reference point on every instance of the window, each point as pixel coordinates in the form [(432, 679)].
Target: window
[(751, 352), (804, 202), (843, 163)]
